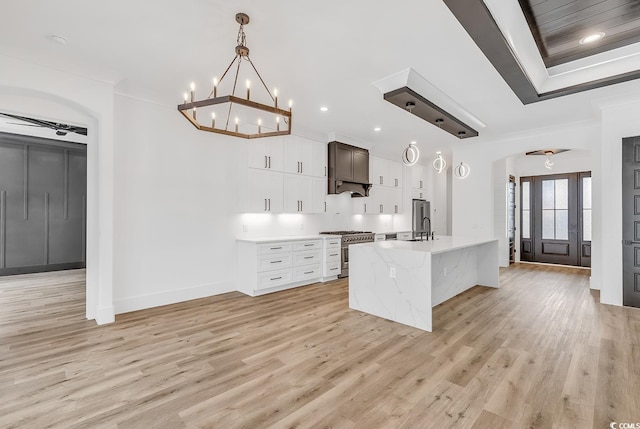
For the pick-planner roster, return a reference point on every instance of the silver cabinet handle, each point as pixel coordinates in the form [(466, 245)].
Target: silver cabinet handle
[(276, 262), (300, 166), (325, 206), (309, 272), (300, 200), (276, 278), (396, 183), (421, 185), (396, 208), (365, 207), (381, 180), (269, 162), (333, 254), (308, 245), (269, 204), (265, 204), (265, 161), (325, 171), (381, 208), (275, 248), (333, 269), (308, 257)]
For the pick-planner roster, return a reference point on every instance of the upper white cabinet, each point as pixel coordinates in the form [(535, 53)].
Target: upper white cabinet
[(263, 192), (304, 156), (418, 179), (385, 172), (304, 194), (266, 153)]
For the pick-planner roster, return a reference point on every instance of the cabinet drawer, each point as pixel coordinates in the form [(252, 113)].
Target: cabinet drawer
[(306, 258), (270, 262), (273, 248), (307, 272), (274, 278), (332, 243), (307, 245), (332, 269), (404, 236), (332, 255)]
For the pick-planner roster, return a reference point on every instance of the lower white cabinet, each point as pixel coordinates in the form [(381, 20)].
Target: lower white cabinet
[(332, 263), (266, 266)]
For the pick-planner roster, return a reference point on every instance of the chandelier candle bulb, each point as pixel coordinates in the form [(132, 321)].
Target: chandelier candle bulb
[(248, 89), (186, 98), (194, 113), (237, 120), (259, 126), (275, 95), (215, 87), (277, 122), (193, 92), (213, 119)]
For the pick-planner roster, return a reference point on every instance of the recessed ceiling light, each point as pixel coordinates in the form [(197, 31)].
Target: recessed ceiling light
[(376, 129), (591, 38), (59, 39), (324, 109)]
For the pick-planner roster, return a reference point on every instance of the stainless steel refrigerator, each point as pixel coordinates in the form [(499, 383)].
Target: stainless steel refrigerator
[(421, 210)]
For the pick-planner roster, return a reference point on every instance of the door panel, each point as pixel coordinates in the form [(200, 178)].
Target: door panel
[(43, 205), (555, 219), (511, 218), (631, 221)]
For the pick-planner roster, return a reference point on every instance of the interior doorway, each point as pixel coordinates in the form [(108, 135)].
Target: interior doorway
[(555, 219), (43, 200)]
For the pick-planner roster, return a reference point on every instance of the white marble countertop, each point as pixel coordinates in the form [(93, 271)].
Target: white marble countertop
[(286, 238), (441, 244)]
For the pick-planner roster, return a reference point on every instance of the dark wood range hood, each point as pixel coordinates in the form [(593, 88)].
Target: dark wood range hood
[(348, 170)]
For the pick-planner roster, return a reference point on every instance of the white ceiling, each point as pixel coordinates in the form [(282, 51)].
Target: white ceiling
[(317, 53)]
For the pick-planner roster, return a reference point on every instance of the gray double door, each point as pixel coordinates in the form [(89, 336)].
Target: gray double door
[(42, 204), (631, 221)]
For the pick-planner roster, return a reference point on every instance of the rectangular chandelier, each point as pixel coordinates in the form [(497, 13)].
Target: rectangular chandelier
[(278, 121)]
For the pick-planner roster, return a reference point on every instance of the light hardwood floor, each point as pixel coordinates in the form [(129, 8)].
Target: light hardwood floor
[(540, 352)]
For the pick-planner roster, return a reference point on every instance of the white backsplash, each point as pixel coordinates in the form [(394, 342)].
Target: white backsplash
[(338, 217)]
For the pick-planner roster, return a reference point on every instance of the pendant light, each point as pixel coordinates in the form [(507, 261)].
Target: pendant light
[(439, 163), (462, 170), (411, 154)]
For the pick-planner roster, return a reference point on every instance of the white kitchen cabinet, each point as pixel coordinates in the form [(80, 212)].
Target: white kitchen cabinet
[(331, 262), (319, 166), (298, 155), (263, 191), (382, 200), (279, 264), (318, 195), (363, 205), (418, 194), (304, 194), (305, 157), (418, 179), (385, 172), (266, 153)]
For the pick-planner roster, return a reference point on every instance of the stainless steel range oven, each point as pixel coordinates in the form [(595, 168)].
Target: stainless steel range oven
[(349, 237)]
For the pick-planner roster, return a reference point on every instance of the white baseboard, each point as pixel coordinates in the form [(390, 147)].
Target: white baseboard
[(141, 302)]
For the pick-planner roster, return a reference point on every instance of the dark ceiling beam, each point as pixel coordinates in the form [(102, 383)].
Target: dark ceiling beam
[(480, 25)]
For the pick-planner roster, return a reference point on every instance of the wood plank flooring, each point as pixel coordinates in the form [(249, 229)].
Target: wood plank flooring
[(540, 352)]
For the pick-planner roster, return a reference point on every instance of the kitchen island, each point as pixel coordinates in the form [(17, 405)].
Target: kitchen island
[(403, 280)]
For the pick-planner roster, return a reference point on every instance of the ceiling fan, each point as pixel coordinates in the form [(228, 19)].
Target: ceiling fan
[(60, 129)]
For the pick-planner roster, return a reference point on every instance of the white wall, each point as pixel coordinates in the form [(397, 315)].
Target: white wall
[(51, 93), (175, 198), (618, 122)]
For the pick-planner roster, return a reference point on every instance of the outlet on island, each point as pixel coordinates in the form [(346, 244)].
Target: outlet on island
[(392, 272)]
